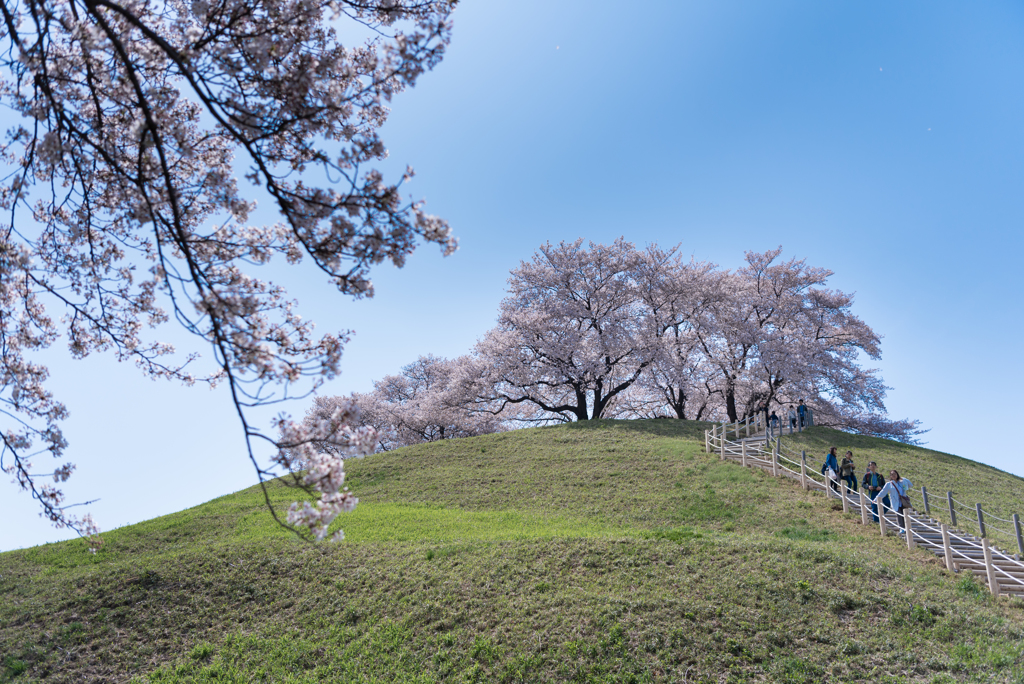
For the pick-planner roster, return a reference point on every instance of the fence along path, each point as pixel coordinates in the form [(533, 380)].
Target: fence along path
[(961, 551)]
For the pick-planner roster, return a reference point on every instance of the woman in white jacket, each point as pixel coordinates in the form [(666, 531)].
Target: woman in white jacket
[(895, 488)]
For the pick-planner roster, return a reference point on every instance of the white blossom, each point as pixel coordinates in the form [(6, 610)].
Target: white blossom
[(124, 209)]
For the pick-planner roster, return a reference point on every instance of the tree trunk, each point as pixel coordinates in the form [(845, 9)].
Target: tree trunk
[(730, 403), (677, 402), (581, 405)]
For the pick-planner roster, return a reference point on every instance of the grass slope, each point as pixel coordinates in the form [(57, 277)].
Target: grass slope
[(609, 551)]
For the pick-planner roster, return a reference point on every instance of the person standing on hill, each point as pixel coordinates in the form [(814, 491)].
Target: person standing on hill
[(873, 483), (792, 418), (848, 471), (773, 423), (801, 411), (895, 490), (831, 464)]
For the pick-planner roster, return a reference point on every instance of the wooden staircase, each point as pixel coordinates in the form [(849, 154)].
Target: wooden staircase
[(961, 551)]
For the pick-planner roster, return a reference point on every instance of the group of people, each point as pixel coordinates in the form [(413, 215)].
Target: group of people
[(892, 492), (797, 417)]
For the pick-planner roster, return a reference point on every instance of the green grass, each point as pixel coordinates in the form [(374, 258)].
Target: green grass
[(601, 552)]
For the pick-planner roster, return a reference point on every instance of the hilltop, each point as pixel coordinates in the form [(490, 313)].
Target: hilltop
[(603, 551)]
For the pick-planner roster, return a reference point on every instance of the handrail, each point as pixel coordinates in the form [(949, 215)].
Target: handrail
[(1015, 580), (998, 529), (971, 520), (988, 512), (919, 522), (955, 500), (772, 454)]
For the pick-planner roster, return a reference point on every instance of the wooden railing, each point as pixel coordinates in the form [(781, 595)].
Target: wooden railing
[(960, 550)]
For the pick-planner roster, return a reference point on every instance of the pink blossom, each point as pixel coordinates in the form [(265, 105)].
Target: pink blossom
[(126, 212)]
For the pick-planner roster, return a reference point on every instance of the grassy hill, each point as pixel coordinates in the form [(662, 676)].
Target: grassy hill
[(606, 552)]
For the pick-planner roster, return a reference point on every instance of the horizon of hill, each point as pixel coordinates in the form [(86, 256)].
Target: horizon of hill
[(595, 551)]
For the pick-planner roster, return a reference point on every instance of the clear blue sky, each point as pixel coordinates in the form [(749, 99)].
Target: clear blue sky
[(884, 141)]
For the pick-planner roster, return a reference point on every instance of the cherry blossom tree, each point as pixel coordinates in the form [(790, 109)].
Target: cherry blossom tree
[(613, 331), (773, 334), (421, 404), (677, 294), (572, 334), (145, 130), (799, 338)]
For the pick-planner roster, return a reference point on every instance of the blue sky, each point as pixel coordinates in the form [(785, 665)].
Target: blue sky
[(884, 141)]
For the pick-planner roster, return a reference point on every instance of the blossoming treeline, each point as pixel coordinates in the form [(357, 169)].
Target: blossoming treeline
[(612, 331)]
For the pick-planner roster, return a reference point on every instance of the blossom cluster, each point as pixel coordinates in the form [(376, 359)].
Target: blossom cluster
[(315, 450), (144, 127)]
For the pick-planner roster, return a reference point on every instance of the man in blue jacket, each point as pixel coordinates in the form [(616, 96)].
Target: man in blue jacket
[(831, 461)]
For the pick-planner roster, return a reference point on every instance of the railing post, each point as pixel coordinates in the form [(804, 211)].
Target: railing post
[(993, 581), (908, 527), (1020, 539), (724, 430), (881, 513), (707, 443), (775, 460), (846, 492), (924, 497), (863, 508), (803, 469), (952, 511), (946, 548), (743, 454), (748, 427), (981, 520)]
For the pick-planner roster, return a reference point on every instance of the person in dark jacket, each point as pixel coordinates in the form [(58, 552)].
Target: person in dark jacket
[(848, 471), (801, 411), (831, 461), (873, 483)]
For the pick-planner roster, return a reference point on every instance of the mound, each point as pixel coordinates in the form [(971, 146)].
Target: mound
[(605, 551)]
